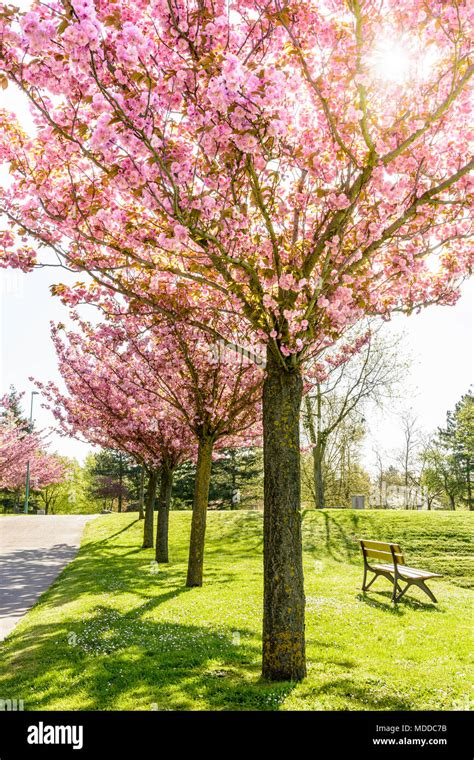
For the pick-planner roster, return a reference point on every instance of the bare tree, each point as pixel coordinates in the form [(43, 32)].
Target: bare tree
[(371, 375), (409, 456), (380, 469)]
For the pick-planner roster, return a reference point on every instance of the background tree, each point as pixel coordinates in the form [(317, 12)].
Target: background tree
[(237, 478), (448, 458), (380, 467), (12, 403), (344, 475), (72, 494), (18, 446), (233, 469), (49, 480), (440, 475), (114, 477), (409, 457), (355, 379), (458, 439)]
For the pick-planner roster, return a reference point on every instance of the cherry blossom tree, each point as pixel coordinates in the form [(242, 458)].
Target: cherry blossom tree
[(165, 386), (47, 473), (17, 447), (306, 163), (45, 469), (105, 410)]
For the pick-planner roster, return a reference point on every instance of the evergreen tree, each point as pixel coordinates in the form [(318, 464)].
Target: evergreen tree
[(237, 477), (236, 480), (457, 438)]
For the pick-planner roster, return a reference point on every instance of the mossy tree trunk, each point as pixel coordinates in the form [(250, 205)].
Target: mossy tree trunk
[(141, 493), (199, 516), (284, 601), (120, 493), (149, 509), (164, 499)]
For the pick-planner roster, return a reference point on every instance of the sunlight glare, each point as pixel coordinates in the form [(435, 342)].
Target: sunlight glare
[(397, 61), (390, 61)]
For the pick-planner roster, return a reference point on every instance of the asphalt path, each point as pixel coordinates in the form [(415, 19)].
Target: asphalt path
[(34, 549)]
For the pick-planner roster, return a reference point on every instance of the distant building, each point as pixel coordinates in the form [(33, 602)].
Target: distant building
[(358, 501), (392, 496)]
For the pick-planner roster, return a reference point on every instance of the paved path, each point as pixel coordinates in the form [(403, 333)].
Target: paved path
[(33, 551)]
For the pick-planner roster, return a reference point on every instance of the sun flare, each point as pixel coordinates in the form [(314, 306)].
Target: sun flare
[(399, 60)]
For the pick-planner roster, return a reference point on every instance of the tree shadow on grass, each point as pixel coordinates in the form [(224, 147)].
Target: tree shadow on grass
[(92, 573), (361, 697), (112, 660), (337, 542), (102, 541)]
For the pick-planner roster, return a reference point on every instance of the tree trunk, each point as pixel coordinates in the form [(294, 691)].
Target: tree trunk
[(200, 503), (120, 495), (166, 483), (283, 616), (470, 504), (233, 480), (316, 438), (141, 493), (149, 509), (318, 476)]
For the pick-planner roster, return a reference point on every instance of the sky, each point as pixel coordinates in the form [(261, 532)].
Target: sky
[(439, 345), (439, 342)]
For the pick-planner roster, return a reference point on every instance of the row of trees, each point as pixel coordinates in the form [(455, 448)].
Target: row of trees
[(238, 172), (157, 393), (112, 480), (426, 472)]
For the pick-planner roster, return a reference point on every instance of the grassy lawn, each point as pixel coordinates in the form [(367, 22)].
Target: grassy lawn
[(115, 632)]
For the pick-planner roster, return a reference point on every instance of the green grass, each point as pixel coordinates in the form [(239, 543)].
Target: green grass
[(112, 634)]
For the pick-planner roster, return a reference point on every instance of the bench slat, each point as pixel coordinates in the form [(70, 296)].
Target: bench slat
[(382, 545), (384, 556), (407, 572)]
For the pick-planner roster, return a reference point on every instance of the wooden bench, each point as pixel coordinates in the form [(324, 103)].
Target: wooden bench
[(390, 563)]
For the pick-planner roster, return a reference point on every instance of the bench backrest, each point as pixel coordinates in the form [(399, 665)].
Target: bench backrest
[(383, 552)]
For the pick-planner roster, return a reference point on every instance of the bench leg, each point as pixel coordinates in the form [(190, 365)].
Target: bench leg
[(394, 592), (424, 587), (366, 587), (385, 574), (421, 584), (396, 587), (396, 598), (397, 583)]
